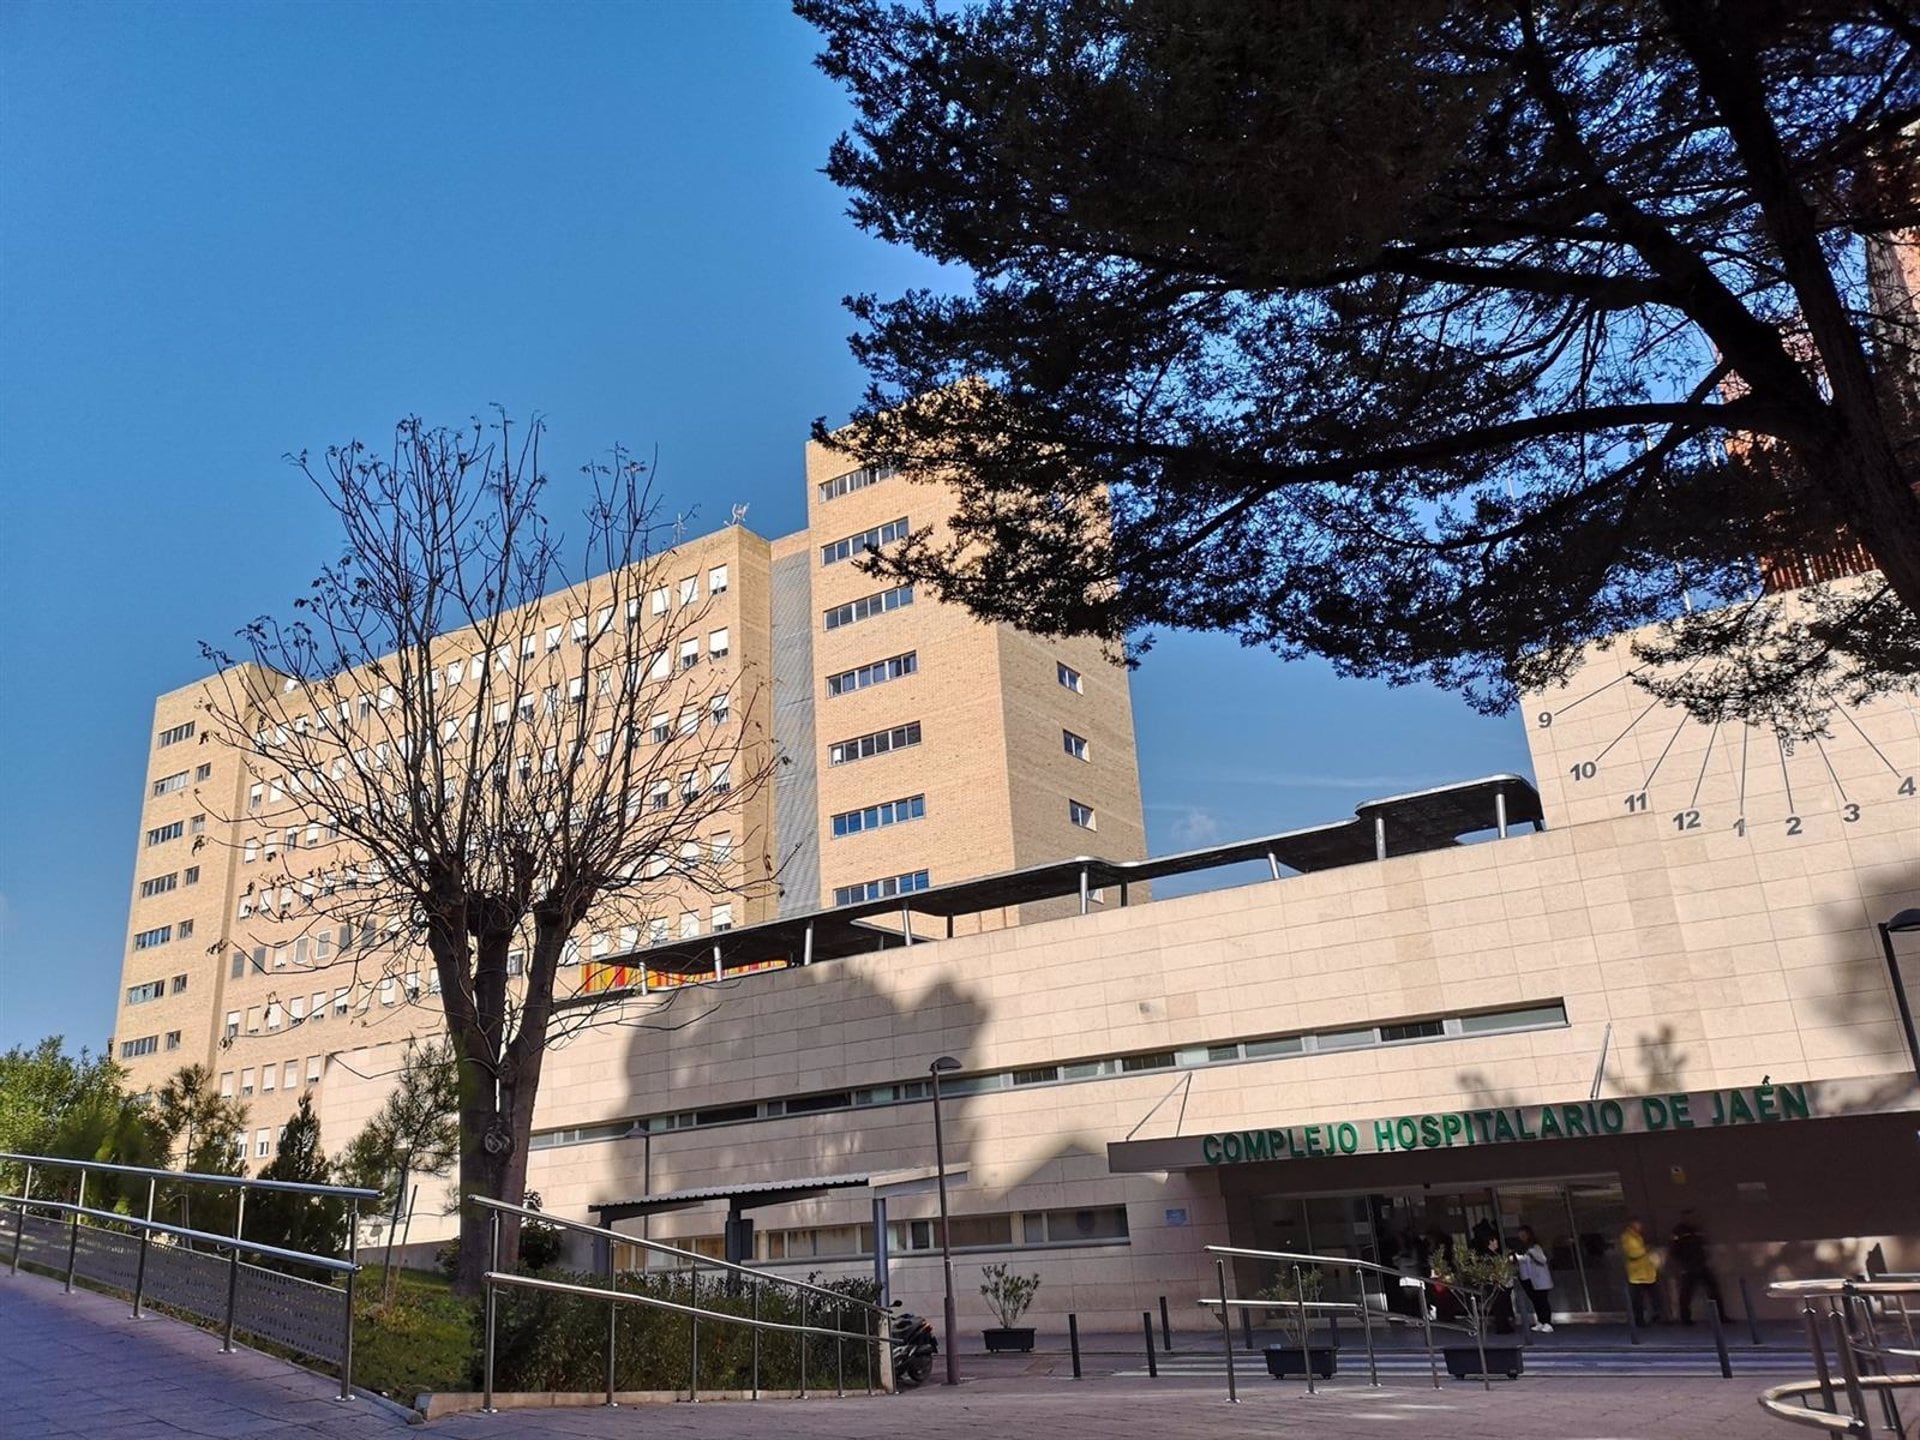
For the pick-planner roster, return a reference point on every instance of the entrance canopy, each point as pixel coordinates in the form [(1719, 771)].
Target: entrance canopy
[(739, 1198)]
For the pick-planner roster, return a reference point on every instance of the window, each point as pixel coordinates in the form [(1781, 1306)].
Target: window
[(297, 1009), (313, 1069), (201, 773), (722, 918), (1412, 1030), (661, 666), (175, 735), (141, 994), (863, 747), (290, 1076), (689, 924), (198, 826), (158, 885), (658, 601), (689, 590), (340, 1000), (689, 722), (689, 654), (866, 540), (151, 939), (170, 784), (717, 644), (179, 984), (1075, 745), (233, 1025), (717, 580), (579, 629), (173, 1039), (868, 606), (1522, 1019), (855, 480), (262, 1141), (1160, 1060), (145, 1045), (1081, 815), (660, 796), (274, 1015), (554, 632), (255, 794), (1069, 677), (875, 817), (192, 875), (184, 929), (720, 847), (718, 708), (226, 1084), (878, 673), (720, 777), (603, 620), (165, 833), (882, 889), (690, 785), (659, 729)]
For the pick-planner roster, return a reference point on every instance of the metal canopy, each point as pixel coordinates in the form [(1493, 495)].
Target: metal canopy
[(1397, 825), (738, 1197)]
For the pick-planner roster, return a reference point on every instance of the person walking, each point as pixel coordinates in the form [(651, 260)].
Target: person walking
[(1537, 1277), (1687, 1252), (1643, 1273)]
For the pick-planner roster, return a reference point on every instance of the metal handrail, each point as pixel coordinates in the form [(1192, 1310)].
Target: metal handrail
[(193, 1177), (235, 1244), (659, 1247), (879, 1338), (1855, 1338), (1362, 1268)]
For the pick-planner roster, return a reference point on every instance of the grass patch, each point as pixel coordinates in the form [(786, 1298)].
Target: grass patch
[(426, 1339)]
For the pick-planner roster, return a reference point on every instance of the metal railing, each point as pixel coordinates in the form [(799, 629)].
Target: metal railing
[(878, 1336), (1854, 1313), (185, 1282), (1305, 1308)]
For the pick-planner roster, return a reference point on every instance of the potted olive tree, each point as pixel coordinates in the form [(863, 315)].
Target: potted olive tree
[(1479, 1277), (1295, 1293), (1009, 1295)]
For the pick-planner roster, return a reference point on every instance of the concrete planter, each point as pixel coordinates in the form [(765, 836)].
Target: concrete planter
[(1285, 1360), (1003, 1340), (1503, 1359)]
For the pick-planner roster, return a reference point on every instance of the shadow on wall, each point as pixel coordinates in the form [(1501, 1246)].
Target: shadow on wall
[(788, 1036)]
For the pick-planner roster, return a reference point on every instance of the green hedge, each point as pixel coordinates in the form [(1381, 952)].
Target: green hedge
[(548, 1341)]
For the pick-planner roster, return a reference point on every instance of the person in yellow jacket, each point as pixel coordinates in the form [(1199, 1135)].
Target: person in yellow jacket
[(1643, 1273)]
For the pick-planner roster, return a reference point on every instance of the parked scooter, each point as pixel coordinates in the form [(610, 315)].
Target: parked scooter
[(914, 1347)]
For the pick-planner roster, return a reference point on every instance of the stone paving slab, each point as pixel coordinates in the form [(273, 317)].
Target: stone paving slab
[(79, 1365)]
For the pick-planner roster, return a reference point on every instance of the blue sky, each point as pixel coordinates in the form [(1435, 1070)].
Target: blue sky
[(230, 232)]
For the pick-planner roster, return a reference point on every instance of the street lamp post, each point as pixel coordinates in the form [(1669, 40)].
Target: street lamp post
[(1905, 922), (943, 1064)]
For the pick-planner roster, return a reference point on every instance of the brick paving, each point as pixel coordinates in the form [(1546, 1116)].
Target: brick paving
[(78, 1364)]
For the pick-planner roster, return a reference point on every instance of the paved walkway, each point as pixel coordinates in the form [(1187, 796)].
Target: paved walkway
[(79, 1365)]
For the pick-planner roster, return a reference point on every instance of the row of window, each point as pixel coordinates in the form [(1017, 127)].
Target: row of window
[(174, 735), (147, 1045), (1467, 1024), (161, 884), (855, 480), (868, 606), (153, 990), (288, 1076), (160, 935), (878, 817), (880, 742), (1028, 1229), (884, 888), (863, 677), (866, 540)]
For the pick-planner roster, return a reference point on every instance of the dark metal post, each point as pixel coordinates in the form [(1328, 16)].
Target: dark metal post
[(1746, 1304), (1246, 1328), (1426, 1326), (1366, 1323), (1633, 1324), (493, 1305), (613, 1322), (1146, 1328), (73, 1237), (140, 1269), (756, 1337), (353, 1283), (233, 1271), (1480, 1342), (1719, 1338), (1850, 1373), (20, 1219), (1166, 1327), (1817, 1348), (840, 1352), (1073, 1343), (946, 1248), (1226, 1334), (804, 1297), (693, 1339), (1306, 1340)]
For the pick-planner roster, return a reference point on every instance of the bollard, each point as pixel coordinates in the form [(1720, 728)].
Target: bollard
[(1719, 1338), (1246, 1327), (1166, 1327), (1073, 1343), (1146, 1328), (1746, 1304), (1633, 1325)]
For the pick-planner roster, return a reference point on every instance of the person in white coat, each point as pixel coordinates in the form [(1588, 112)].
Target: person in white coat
[(1531, 1259)]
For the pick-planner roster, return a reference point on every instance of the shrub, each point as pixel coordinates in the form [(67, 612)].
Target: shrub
[(1007, 1293)]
